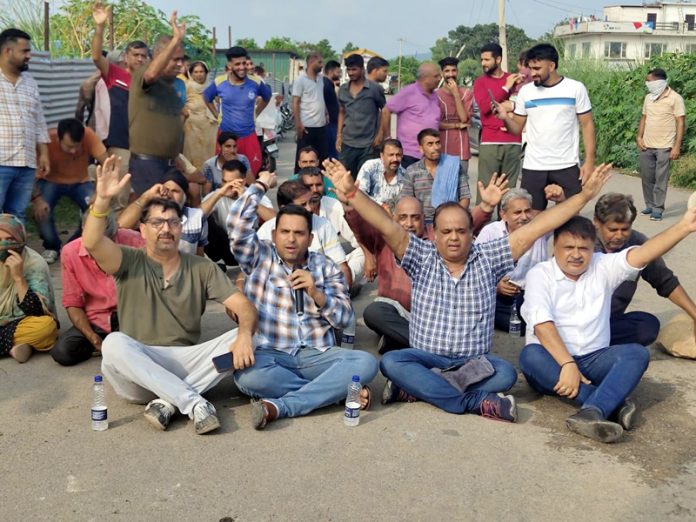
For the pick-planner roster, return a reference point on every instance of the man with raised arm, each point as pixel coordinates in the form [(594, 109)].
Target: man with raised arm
[(162, 295), (453, 300), (568, 307)]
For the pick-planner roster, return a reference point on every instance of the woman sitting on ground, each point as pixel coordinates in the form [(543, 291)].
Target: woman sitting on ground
[(27, 306)]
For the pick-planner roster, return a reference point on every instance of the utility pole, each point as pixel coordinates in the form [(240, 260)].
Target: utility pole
[(401, 52), (229, 36), (502, 36), (47, 37)]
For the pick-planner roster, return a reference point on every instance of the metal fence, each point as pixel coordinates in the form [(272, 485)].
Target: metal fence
[(59, 84)]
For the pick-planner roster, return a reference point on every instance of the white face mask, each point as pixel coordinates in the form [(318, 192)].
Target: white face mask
[(656, 88)]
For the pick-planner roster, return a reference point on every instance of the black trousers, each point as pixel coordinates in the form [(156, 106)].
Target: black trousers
[(218, 247), (317, 137), (384, 319), (73, 347)]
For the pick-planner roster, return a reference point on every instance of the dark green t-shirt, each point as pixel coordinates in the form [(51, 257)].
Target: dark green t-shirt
[(155, 126), (169, 316)]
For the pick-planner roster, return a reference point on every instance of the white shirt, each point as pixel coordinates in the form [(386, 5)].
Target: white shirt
[(194, 230), (332, 210), (324, 241), (579, 309), (553, 131), (372, 182), (311, 94), (538, 253), (222, 208)]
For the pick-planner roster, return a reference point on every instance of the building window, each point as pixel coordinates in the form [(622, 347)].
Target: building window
[(615, 49), (654, 49), (571, 50), (586, 47)]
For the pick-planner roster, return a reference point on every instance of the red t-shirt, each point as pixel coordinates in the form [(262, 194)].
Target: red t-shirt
[(492, 128)]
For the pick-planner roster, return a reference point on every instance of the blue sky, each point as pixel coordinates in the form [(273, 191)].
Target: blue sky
[(375, 24)]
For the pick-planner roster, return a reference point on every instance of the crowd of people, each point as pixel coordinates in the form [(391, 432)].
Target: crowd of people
[(178, 196)]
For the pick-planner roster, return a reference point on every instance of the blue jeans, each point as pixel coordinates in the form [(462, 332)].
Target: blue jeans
[(634, 327), (15, 189), (410, 370), (80, 193), (614, 371), (310, 379)]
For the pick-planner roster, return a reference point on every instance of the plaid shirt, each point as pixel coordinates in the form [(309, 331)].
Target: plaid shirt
[(454, 317), (22, 123), (268, 287)]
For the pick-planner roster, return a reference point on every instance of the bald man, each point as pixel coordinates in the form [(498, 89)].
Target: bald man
[(416, 107)]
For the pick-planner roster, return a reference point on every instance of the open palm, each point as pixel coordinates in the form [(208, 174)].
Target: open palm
[(100, 13), (339, 176), (108, 182)]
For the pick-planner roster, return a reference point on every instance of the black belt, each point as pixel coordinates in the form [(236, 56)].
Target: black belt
[(148, 157)]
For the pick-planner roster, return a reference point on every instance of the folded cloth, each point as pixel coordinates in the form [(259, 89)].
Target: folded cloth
[(472, 371), (446, 184), (677, 337)]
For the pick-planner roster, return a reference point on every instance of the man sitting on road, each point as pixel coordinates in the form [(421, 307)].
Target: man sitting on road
[(212, 168), (89, 297), (162, 295), (567, 308), (436, 178), (613, 218), (216, 206), (194, 226), (390, 313), (515, 212), (383, 178), (453, 301), (298, 366)]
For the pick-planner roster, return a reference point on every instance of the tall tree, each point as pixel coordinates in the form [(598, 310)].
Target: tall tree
[(473, 38), (350, 46), (247, 43), (409, 68), (281, 43), (323, 46)]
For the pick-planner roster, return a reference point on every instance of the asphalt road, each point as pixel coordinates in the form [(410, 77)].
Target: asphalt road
[(404, 462)]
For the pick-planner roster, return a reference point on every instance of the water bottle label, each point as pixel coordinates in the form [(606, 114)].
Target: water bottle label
[(352, 413), (99, 415), (348, 339)]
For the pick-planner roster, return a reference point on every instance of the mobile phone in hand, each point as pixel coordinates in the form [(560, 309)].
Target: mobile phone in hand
[(223, 363)]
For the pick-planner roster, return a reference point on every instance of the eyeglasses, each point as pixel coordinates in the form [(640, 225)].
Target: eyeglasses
[(158, 223)]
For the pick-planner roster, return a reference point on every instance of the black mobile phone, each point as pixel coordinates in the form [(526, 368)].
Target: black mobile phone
[(223, 363)]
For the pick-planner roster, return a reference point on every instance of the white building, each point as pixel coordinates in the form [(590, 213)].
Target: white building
[(631, 33)]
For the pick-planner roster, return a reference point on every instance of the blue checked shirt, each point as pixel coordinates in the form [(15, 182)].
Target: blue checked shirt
[(268, 287), (453, 317)]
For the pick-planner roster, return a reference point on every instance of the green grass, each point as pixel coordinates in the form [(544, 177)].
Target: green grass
[(66, 215)]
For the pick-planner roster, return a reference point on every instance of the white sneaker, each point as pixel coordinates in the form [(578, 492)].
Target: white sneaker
[(159, 413), (205, 418), (50, 256)]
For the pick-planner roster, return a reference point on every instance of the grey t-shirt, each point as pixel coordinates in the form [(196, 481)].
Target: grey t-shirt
[(171, 316), (362, 113)]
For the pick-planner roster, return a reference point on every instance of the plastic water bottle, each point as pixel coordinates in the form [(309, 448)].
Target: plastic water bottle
[(351, 416), (348, 336), (515, 321), (100, 420)]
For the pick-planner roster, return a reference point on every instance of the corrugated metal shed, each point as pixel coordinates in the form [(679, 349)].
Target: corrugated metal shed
[(59, 84)]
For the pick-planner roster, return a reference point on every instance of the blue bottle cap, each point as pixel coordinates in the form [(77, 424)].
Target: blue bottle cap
[(97, 378), (356, 378)]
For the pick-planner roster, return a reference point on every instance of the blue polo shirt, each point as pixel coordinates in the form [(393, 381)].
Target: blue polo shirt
[(237, 103)]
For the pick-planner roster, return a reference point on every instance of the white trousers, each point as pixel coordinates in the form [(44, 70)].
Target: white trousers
[(178, 374)]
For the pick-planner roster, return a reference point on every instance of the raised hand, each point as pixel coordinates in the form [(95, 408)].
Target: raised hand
[(233, 189), (108, 183), (178, 31), (493, 193), (339, 176), (554, 193), (593, 183), (101, 13), (268, 178)]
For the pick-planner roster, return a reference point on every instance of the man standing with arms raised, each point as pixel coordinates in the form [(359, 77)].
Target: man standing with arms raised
[(499, 150), (156, 128), (118, 82)]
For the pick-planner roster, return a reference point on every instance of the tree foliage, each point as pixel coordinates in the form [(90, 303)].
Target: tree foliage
[(350, 46), (285, 43), (71, 27), (617, 99), (473, 38), (409, 68), (247, 43)]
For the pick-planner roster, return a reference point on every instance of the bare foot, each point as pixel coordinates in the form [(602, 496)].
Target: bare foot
[(365, 398), (21, 352)]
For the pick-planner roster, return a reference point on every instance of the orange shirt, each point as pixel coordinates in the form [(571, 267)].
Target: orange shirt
[(72, 168)]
